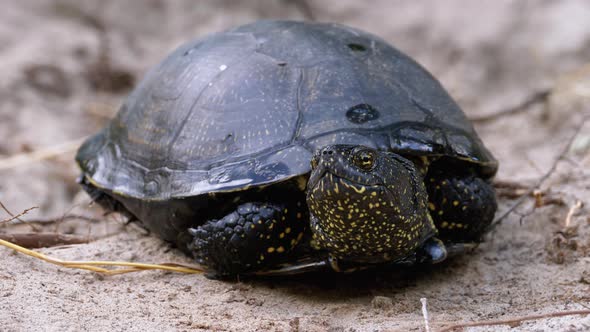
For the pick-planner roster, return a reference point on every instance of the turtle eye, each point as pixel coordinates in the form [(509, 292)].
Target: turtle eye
[(365, 160)]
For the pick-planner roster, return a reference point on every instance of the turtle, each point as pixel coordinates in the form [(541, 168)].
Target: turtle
[(283, 147)]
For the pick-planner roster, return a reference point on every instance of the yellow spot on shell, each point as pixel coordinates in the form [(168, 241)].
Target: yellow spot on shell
[(280, 249), (270, 250), (455, 203), (288, 230), (431, 207)]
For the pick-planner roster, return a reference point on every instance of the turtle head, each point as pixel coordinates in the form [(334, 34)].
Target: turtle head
[(367, 206)]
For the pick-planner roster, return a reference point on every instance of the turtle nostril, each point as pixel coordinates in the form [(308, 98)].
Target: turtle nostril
[(327, 151)]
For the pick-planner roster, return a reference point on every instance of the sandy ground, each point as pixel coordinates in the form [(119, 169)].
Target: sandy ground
[(57, 60)]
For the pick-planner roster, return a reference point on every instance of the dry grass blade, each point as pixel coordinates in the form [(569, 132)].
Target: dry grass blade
[(538, 97), (514, 321), (96, 265), (27, 158)]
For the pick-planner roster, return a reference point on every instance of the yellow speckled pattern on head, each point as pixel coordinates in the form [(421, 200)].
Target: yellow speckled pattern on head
[(360, 221)]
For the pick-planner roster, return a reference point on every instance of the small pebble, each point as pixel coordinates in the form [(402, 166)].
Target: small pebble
[(382, 302)]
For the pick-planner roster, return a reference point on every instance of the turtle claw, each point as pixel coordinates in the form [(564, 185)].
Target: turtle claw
[(435, 251), (302, 266)]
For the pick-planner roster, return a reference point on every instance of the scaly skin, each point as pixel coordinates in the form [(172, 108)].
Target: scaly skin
[(461, 204), (367, 206), (253, 236), (361, 208)]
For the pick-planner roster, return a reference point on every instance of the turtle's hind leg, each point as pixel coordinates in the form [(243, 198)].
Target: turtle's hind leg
[(254, 236)]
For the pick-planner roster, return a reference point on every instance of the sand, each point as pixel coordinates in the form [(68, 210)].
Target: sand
[(490, 55)]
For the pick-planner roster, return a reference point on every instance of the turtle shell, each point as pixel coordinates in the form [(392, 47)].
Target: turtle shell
[(249, 106)]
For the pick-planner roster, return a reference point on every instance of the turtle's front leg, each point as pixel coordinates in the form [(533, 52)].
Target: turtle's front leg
[(462, 205), (254, 236)]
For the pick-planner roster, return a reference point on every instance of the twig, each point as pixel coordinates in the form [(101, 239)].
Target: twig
[(509, 189), (543, 199), (571, 212), (506, 184), (24, 159), (543, 178), (42, 240), (425, 314), (535, 98), (17, 216), (515, 321), (95, 265), (62, 218)]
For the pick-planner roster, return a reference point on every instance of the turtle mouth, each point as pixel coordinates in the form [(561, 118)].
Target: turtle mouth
[(325, 181), (326, 177)]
